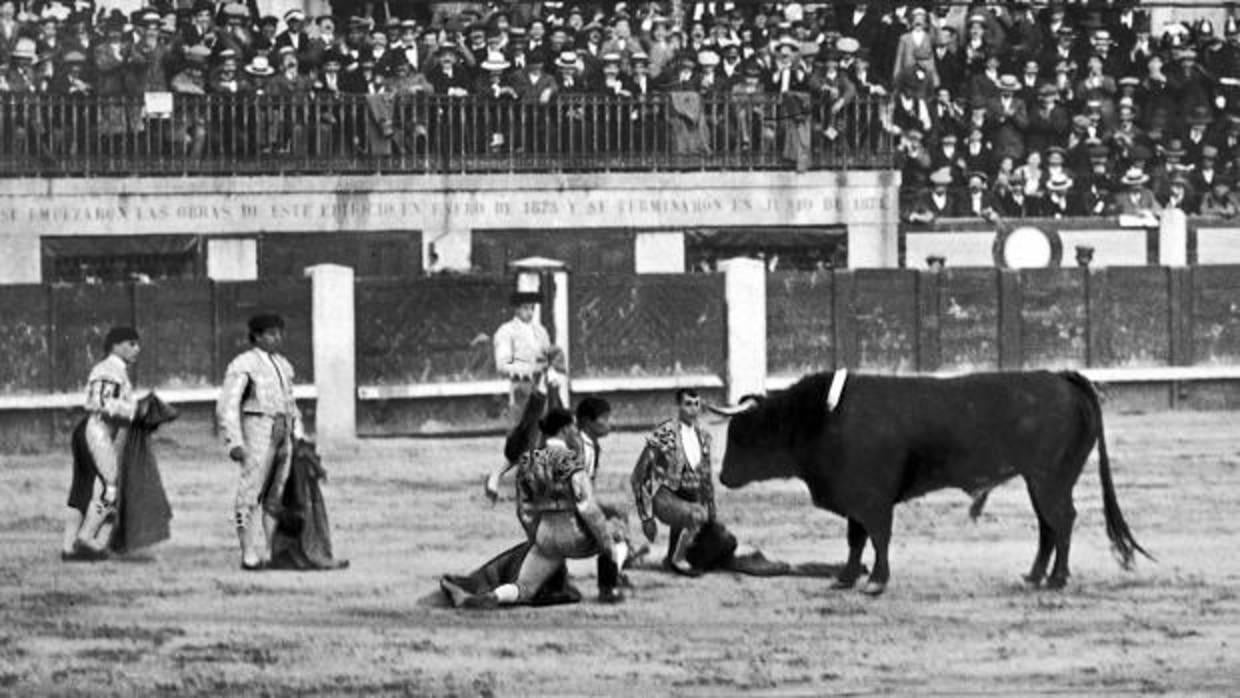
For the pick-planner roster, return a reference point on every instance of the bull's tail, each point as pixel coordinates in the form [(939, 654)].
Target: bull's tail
[(1122, 540)]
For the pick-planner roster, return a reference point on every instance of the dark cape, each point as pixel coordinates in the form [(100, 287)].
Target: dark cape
[(302, 539), (503, 569), (143, 513)]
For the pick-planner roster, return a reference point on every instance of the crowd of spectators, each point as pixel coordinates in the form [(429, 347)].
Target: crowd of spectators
[(1006, 108)]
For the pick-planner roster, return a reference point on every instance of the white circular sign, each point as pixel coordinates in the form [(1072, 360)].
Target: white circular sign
[(1027, 248)]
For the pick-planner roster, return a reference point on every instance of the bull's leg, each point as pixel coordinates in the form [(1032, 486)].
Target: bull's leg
[(847, 578), (1063, 541), (880, 534), (1046, 539), (1055, 508)]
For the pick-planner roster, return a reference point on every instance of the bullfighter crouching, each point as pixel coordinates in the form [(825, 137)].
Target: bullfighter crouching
[(558, 510)]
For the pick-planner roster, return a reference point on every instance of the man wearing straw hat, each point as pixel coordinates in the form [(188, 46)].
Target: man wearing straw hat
[(1138, 199), (1009, 119), (1058, 202)]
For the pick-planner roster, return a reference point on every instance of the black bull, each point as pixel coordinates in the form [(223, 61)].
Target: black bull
[(890, 439)]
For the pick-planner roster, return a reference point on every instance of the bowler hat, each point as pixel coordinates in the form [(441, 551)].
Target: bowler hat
[(523, 297), (262, 322)]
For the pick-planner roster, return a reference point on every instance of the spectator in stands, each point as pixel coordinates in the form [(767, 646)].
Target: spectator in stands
[(1008, 119), (294, 36), (71, 78), (1198, 121), (1012, 199), (916, 49), (1139, 95), (1095, 194), (938, 201), (977, 155), (1172, 164), (236, 33), (977, 201), (1048, 122), (1137, 200), (149, 59), (1204, 175), (1180, 195), (947, 61), (447, 76), (400, 78), (946, 115), (1219, 201), (913, 160), (1058, 201), (910, 109)]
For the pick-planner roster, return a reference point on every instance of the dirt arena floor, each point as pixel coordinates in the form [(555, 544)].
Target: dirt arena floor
[(183, 620)]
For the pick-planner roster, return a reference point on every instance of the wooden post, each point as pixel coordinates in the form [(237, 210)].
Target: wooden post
[(1011, 353), (844, 298)]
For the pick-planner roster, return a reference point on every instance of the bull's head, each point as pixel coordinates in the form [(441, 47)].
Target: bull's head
[(756, 448)]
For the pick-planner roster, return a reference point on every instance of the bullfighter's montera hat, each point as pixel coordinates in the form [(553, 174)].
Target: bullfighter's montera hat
[(119, 334)]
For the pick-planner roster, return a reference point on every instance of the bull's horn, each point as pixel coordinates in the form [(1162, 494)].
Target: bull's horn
[(746, 404)]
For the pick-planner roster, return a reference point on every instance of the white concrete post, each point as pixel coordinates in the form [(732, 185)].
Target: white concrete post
[(560, 314), (1173, 238), (745, 293), (335, 372)]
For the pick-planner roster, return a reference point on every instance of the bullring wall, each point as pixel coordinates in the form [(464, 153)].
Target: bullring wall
[(424, 355)]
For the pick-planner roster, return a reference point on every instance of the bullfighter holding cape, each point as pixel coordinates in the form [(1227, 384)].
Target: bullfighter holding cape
[(116, 500)]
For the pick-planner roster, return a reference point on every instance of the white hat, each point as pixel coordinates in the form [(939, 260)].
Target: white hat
[(24, 48), (259, 65), (496, 63)]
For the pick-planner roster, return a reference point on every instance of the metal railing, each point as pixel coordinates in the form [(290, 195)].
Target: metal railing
[(54, 135)]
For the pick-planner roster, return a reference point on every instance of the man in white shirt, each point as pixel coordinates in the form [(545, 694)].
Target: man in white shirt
[(522, 351)]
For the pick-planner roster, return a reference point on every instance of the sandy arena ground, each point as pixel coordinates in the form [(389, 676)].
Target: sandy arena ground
[(183, 620)]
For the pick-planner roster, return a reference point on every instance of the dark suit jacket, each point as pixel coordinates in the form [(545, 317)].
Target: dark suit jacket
[(1009, 127), (461, 77)]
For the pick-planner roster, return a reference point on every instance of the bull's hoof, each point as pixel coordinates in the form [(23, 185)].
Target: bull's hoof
[(1056, 583), (1032, 580), (844, 583), (873, 588)]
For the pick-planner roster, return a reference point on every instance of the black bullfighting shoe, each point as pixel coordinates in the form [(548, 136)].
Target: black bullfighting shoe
[(83, 553), (256, 567), (610, 595)]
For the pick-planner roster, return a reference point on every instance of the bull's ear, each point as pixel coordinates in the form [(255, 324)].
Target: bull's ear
[(747, 403)]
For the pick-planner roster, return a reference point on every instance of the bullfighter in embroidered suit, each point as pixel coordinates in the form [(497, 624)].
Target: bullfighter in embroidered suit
[(110, 407), (260, 420), (558, 510), (672, 481)]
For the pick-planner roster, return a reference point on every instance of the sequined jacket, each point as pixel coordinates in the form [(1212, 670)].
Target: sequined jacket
[(662, 463), (256, 383)]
